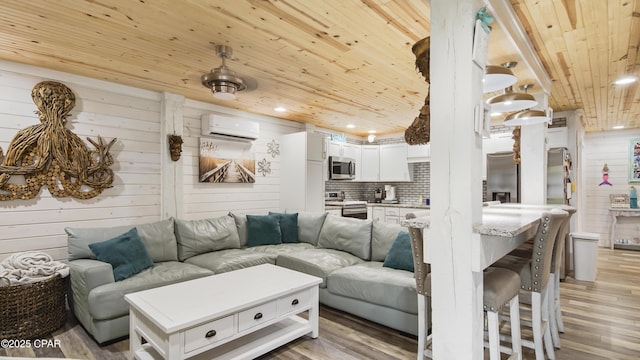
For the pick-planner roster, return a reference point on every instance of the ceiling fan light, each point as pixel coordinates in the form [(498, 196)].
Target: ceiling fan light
[(224, 91), (510, 101), (527, 117), (497, 78)]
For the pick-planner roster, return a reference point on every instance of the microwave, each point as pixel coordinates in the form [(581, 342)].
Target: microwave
[(342, 168)]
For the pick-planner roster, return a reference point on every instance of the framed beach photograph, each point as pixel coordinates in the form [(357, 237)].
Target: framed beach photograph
[(634, 160), (226, 161)]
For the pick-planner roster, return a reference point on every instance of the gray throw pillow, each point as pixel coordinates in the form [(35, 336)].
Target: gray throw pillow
[(201, 236), (347, 234)]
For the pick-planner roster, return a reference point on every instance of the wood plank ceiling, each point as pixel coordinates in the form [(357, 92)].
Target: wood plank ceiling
[(329, 62)]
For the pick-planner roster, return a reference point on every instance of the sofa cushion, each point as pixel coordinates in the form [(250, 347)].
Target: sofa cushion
[(231, 259), (263, 230), (241, 226), (281, 248), (107, 301), (158, 238), (126, 254), (309, 226), (317, 262), (382, 236), (371, 282), (400, 256), (201, 236), (288, 226), (347, 234)]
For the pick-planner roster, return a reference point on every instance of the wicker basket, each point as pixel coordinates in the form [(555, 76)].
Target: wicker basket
[(32, 310)]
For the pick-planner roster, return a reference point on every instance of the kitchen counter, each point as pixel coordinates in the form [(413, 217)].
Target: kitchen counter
[(338, 205)]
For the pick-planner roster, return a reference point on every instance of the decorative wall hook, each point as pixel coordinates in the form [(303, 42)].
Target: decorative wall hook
[(48, 154), (175, 146)]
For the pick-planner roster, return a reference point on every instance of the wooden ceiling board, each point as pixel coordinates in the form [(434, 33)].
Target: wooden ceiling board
[(331, 62)]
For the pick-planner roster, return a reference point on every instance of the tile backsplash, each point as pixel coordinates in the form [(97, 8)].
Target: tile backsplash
[(406, 192)]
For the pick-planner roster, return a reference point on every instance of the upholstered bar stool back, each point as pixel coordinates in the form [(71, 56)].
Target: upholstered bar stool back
[(555, 312), (423, 288)]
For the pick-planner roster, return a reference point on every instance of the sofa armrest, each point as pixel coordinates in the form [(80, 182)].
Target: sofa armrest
[(89, 274), (86, 275)]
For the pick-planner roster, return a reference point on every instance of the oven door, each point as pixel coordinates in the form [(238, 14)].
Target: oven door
[(341, 168)]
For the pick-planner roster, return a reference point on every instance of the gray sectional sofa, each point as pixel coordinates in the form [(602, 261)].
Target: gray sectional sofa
[(348, 254)]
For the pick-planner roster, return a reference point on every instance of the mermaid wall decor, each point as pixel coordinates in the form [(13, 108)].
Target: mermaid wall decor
[(48, 154)]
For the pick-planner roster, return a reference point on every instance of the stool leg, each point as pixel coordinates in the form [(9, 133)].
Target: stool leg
[(536, 324), (514, 313), (548, 342), (553, 324), (493, 324), (422, 326), (557, 308)]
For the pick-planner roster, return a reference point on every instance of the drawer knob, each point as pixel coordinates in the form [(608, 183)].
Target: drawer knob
[(257, 316), (295, 302), (210, 333)]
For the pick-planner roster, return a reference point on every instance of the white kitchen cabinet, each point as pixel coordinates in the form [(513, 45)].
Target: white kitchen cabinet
[(392, 215), (557, 137), (418, 153), (369, 212), (302, 168), (393, 163), (378, 214), (370, 164)]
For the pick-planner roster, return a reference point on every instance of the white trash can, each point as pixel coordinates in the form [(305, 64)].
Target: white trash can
[(585, 255)]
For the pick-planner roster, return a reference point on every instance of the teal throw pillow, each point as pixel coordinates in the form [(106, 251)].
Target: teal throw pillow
[(126, 254), (399, 256), (263, 230), (288, 226)]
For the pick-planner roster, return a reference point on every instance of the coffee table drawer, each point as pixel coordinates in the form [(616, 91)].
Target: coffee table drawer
[(256, 315), (294, 301), (208, 333)]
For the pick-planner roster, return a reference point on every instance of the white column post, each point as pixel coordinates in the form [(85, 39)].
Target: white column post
[(533, 156), (171, 123), (456, 182)]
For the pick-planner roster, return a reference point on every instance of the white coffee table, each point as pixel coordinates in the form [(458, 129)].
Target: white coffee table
[(236, 315)]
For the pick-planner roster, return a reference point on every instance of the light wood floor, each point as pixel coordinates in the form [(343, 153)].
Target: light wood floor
[(602, 321)]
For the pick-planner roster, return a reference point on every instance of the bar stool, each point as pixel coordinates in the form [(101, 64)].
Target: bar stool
[(501, 286), (555, 311), (535, 273), (422, 274)]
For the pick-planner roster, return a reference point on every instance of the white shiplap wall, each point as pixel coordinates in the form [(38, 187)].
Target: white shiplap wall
[(612, 148), (207, 200), (105, 109), (133, 117)]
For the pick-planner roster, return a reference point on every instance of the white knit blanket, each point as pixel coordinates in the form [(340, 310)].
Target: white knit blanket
[(31, 266)]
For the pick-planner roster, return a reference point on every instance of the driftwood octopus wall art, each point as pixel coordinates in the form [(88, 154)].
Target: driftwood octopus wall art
[(48, 154), (419, 131)]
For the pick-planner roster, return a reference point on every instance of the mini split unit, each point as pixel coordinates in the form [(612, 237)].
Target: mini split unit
[(222, 125)]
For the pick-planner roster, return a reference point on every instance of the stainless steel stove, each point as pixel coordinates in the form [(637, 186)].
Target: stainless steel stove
[(354, 209)]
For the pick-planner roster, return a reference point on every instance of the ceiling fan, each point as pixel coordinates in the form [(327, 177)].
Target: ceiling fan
[(223, 82)]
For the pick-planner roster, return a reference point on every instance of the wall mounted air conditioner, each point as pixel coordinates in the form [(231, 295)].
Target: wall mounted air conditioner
[(221, 125)]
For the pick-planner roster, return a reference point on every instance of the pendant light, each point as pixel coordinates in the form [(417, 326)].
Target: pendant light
[(528, 117), (512, 101), (498, 77)]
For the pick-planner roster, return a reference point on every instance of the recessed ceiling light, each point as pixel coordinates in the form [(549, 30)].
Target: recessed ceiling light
[(279, 109), (350, 126), (617, 127), (626, 80), (372, 131)]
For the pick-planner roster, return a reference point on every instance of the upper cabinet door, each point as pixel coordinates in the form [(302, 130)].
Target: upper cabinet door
[(370, 163), (393, 163)]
